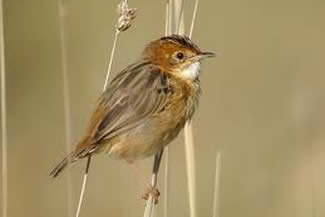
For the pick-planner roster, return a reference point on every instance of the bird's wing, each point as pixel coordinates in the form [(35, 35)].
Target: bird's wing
[(137, 93)]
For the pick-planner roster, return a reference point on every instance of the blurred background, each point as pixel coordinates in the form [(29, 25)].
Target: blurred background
[(262, 107)]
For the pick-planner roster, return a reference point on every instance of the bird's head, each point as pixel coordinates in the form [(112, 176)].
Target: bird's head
[(178, 55)]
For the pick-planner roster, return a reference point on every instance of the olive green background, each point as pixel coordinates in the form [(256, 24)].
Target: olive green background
[(262, 107)]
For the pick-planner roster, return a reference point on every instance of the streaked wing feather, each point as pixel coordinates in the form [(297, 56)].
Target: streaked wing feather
[(134, 95)]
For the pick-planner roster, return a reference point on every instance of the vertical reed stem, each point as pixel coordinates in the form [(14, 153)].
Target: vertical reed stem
[(4, 141), (109, 68), (189, 145), (66, 96), (190, 168), (170, 16), (180, 17), (188, 131), (149, 209), (166, 182), (166, 172), (217, 186), (193, 18), (83, 187)]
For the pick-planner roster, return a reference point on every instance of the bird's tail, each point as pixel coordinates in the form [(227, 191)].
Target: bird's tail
[(63, 164), (82, 150)]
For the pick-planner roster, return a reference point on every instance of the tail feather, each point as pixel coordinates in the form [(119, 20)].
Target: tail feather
[(62, 165), (82, 150)]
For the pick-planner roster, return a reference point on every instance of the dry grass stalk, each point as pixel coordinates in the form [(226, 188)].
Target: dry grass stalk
[(170, 16), (215, 210), (166, 172), (190, 167), (189, 144), (83, 187), (126, 16), (66, 97), (179, 15), (149, 209), (117, 33), (166, 182), (188, 132), (193, 18), (4, 140)]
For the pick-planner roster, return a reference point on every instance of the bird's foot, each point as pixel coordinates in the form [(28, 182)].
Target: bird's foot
[(153, 192)]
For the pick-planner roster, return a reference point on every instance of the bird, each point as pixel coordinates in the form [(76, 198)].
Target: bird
[(146, 105)]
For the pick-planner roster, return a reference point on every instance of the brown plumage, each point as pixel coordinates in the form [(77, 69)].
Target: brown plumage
[(146, 105)]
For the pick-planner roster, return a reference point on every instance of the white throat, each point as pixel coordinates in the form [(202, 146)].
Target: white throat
[(192, 71)]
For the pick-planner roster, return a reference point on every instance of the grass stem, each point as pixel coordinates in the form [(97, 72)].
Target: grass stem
[(188, 130), (66, 97), (180, 18), (190, 167), (193, 18), (4, 140), (109, 68), (189, 145), (149, 209), (215, 209), (83, 187), (166, 172)]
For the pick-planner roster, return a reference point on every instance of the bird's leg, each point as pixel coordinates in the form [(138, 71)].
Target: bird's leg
[(150, 190)]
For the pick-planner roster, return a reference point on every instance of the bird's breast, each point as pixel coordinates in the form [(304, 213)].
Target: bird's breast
[(183, 104)]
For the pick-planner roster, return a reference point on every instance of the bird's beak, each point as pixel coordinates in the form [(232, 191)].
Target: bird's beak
[(204, 55)]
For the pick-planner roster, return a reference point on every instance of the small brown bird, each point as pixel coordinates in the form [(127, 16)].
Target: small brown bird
[(146, 105)]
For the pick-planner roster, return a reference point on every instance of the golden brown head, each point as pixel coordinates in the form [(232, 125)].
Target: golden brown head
[(176, 54)]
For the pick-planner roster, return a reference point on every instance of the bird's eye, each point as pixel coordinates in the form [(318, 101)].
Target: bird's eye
[(180, 55)]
